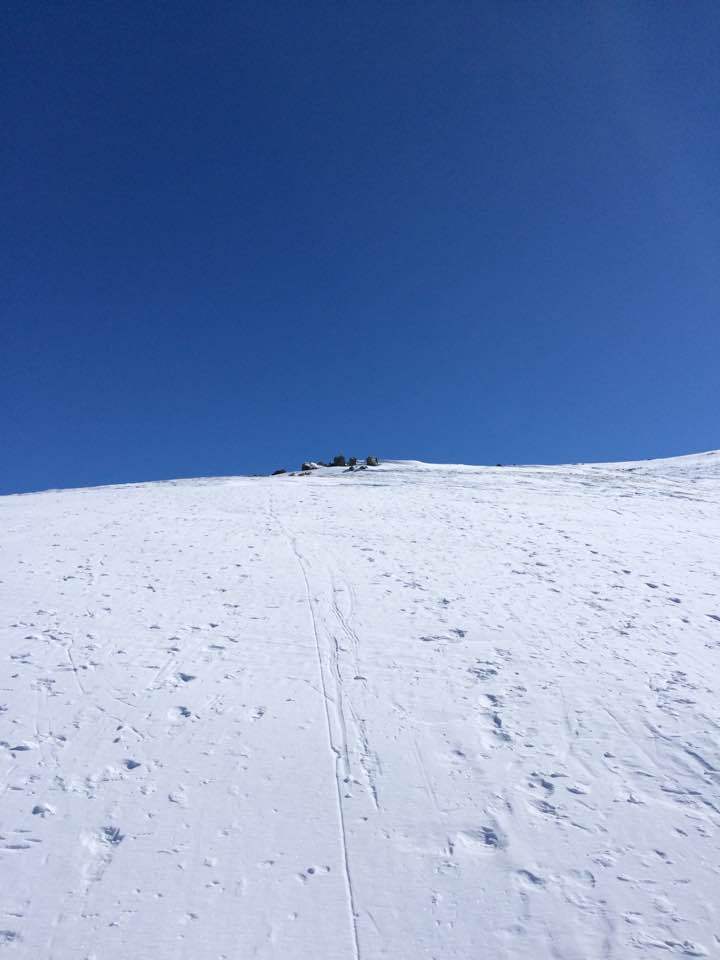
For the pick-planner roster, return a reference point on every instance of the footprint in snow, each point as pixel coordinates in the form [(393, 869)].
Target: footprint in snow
[(538, 780), (544, 807), (527, 878), (310, 872), (179, 713), (578, 790), (484, 670), (111, 835), (456, 637), (486, 839)]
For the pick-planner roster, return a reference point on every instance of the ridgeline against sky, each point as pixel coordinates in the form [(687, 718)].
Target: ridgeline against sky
[(237, 232)]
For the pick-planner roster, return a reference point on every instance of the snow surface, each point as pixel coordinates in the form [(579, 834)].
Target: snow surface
[(412, 712)]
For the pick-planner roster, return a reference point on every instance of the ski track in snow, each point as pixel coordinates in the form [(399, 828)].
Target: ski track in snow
[(420, 711)]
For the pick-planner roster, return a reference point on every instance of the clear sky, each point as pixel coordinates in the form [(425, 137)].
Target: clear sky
[(238, 234)]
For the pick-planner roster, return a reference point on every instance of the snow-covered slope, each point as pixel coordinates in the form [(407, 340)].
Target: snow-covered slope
[(415, 712)]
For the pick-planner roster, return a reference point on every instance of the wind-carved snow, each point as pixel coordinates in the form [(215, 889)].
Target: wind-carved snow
[(415, 712)]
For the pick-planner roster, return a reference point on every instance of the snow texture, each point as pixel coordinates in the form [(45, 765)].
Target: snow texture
[(414, 712)]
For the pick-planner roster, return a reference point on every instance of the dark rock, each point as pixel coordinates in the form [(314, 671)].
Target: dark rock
[(309, 465), (352, 462), (276, 473), (372, 461)]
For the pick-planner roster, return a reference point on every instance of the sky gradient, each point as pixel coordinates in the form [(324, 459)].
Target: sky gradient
[(236, 235)]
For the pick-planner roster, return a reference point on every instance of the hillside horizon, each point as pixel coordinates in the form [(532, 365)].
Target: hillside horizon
[(418, 711), (388, 462)]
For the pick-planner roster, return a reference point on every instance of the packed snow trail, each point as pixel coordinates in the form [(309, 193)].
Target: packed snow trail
[(415, 712), (337, 738)]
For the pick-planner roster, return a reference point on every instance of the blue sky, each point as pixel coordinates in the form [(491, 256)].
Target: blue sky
[(239, 234)]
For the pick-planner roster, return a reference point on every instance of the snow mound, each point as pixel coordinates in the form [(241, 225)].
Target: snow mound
[(418, 711)]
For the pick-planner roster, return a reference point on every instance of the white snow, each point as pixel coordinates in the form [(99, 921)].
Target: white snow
[(417, 711)]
